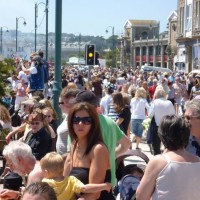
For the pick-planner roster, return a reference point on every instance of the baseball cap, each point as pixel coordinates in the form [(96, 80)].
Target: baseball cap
[(87, 96)]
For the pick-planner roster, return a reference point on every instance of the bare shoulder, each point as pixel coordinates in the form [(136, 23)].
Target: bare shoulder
[(100, 147), (99, 150), (156, 164)]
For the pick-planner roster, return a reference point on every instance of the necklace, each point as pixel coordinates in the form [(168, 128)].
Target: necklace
[(78, 155)]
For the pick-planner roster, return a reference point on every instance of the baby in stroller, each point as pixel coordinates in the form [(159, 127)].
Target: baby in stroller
[(129, 176), (128, 184)]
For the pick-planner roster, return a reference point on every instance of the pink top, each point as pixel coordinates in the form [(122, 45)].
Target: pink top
[(21, 90)]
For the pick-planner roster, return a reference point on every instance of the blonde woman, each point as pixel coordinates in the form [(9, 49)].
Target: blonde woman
[(48, 104), (5, 119), (139, 106)]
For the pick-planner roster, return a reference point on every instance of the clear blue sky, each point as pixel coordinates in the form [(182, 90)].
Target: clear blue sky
[(88, 17)]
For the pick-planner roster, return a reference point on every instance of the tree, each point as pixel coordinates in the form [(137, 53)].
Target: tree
[(6, 70), (111, 58)]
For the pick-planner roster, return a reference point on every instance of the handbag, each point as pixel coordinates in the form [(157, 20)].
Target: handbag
[(151, 130)]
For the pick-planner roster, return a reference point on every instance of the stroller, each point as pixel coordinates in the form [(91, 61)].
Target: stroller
[(128, 175)]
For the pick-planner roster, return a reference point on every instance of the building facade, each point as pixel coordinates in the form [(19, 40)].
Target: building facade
[(144, 44), (188, 34)]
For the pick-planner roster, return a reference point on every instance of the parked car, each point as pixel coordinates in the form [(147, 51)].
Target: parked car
[(147, 68)]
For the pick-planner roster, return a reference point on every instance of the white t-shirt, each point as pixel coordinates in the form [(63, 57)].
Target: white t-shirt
[(22, 75), (105, 101), (33, 70), (138, 106)]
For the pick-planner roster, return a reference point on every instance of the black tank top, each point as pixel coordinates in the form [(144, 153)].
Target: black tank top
[(82, 174)]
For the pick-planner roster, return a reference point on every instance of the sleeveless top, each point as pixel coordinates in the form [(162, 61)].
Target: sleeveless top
[(82, 174), (178, 180)]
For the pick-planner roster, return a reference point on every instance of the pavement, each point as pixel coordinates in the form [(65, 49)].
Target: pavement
[(144, 148)]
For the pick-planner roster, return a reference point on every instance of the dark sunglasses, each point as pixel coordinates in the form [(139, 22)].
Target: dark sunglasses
[(84, 120), (34, 123), (190, 117)]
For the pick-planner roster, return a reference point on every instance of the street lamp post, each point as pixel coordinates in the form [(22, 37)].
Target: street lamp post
[(47, 16), (36, 15), (113, 42), (57, 70), (79, 47), (17, 21), (1, 32)]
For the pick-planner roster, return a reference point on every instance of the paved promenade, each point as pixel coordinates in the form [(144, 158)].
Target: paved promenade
[(137, 160)]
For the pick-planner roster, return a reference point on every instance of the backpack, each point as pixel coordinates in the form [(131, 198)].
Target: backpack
[(128, 186)]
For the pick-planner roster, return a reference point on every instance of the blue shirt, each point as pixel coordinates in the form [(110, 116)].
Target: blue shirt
[(193, 146)]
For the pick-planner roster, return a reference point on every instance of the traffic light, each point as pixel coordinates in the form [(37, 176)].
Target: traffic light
[(96, 58), (90, 54)]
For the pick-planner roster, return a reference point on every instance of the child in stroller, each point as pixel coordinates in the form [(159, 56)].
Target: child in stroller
[(129, 176)]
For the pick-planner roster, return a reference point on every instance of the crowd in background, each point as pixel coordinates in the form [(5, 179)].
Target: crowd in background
[(102, 117)]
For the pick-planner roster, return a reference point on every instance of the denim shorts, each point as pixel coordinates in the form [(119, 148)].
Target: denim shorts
[(137, 127)]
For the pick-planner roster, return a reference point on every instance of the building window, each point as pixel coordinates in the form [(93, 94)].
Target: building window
[(197, 24), (188, 25), (137, 51), (182, 20)]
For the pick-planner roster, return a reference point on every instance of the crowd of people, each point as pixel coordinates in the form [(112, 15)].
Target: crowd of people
[(102, 117)]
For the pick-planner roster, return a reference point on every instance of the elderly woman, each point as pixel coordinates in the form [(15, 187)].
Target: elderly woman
[(158, 109), (174, 174), (139, 105)]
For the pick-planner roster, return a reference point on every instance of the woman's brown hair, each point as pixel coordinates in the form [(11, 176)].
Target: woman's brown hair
[(118, 102), (94, 136), (4, 114)]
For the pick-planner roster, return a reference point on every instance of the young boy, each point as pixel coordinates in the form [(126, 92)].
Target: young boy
[(66, 188)]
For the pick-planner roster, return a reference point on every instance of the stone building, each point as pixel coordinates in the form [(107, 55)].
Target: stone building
[(144, 44), (188, 34)]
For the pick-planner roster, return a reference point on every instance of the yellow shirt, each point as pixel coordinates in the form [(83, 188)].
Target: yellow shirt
[(66, 189)]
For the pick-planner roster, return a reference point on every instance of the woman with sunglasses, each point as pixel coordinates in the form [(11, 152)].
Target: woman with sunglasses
[(66, 102), (38, 138), (89, 155)]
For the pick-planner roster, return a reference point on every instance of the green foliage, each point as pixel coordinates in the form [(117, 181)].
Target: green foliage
[(7, 69), (111, 60)]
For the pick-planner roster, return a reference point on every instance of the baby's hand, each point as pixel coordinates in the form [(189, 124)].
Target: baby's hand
[(108, 187)]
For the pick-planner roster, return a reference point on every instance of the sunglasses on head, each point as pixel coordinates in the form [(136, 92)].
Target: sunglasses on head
[(84, 120)]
